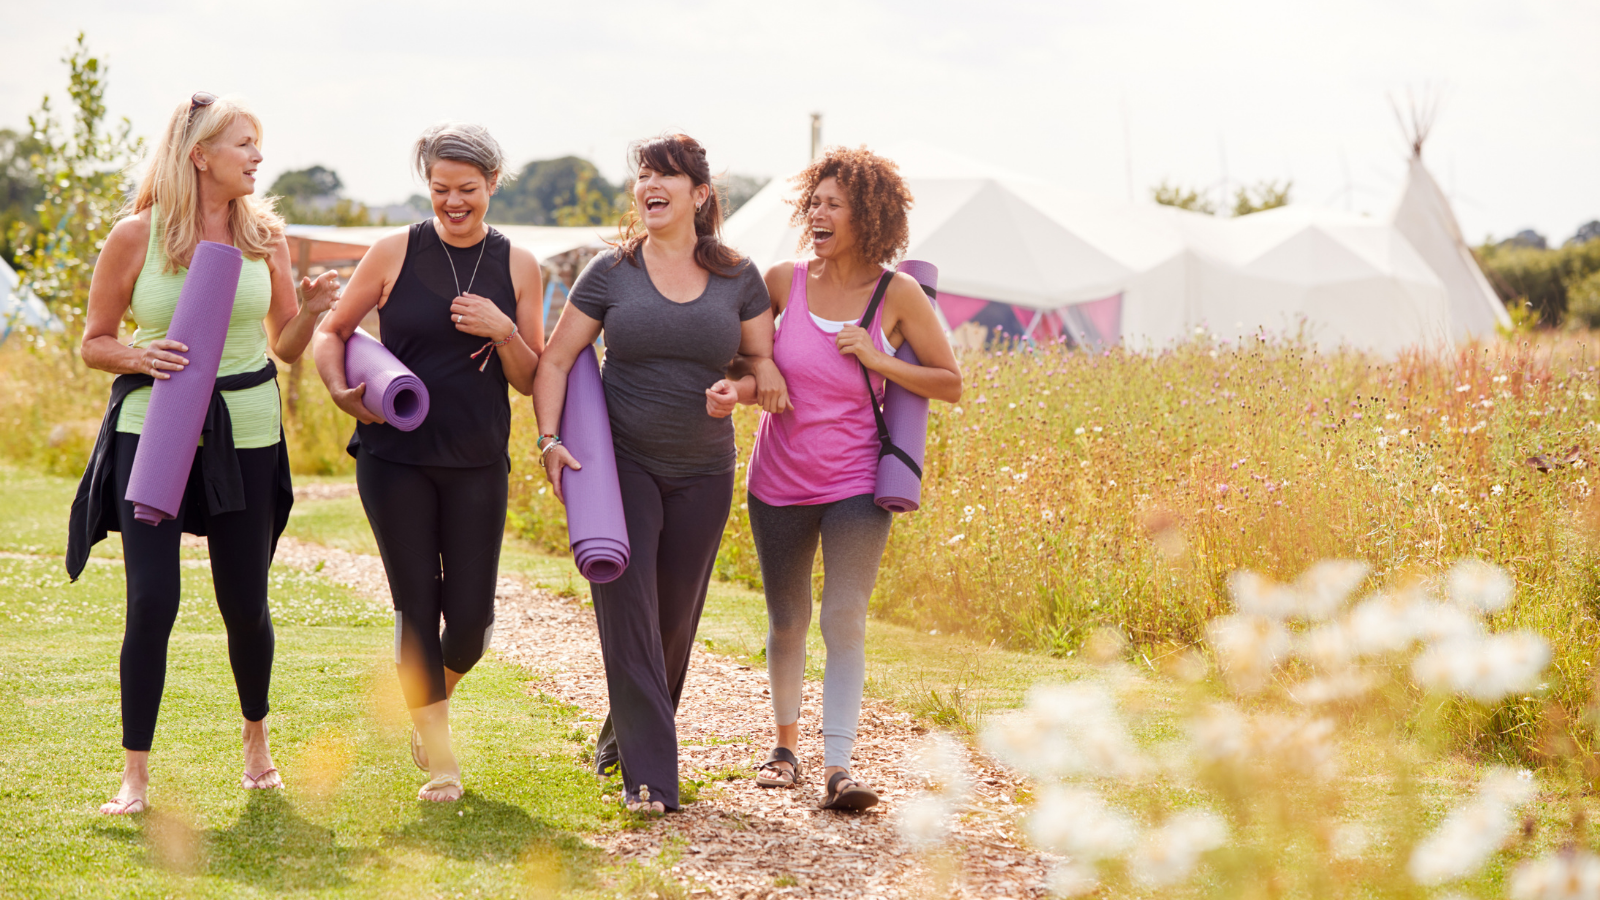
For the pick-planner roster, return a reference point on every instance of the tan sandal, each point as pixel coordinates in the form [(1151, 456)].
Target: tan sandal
[(117, 806), (439, 783)]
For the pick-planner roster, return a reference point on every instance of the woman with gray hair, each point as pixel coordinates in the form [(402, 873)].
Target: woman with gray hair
[(460, 307)]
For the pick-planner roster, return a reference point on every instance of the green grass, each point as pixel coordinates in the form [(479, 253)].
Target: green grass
[(347, 825)]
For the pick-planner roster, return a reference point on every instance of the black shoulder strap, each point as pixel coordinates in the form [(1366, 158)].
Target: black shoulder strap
[(886, 445)]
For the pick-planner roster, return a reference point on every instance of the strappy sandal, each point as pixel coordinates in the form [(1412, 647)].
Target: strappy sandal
[(854, 798), (253, 782), (117, 806), (439, 783), (782, 778)]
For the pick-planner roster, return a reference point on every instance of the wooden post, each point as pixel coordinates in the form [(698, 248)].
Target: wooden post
[(302, 270)]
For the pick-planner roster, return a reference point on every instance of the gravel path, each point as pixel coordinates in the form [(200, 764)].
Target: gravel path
[(740, 840)]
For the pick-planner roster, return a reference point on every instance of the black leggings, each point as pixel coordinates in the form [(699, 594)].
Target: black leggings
[(240, 546), (439, 530), (648, 618)]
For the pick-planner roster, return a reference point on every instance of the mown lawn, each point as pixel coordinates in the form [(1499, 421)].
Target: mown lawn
[(346, 826)]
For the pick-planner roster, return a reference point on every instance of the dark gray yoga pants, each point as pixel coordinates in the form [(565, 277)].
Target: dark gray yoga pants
[(853, 533), (649, 615), (439, 530)]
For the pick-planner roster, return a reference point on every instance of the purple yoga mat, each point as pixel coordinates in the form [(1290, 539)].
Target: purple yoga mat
[(899, 490), (178, 404), (392, 391), (595, 523)]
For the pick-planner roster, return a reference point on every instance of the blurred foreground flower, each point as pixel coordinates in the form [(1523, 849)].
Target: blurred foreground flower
[(1168, 855), (925, 820), (1472, 832), (1559, 876), (1078, 824), (1487, 669), (1071, 729)]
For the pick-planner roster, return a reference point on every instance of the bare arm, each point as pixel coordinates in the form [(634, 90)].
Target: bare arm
[(752, 372), (908, 313), (291, 323), (110, 291), (575, 331), (368, 289)]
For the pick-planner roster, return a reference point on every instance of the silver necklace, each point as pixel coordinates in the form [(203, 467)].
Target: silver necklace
[(456, 278)]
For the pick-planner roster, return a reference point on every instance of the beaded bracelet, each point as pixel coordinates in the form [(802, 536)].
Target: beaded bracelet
[(553, 438)]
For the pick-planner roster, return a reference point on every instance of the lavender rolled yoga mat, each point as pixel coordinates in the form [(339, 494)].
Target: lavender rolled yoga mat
[(178, 404), (899, 490), (392, 391), (595, 524)]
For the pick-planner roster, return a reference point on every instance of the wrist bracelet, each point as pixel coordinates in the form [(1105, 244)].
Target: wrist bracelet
[(547, 448), (509, 336), (539, 444)]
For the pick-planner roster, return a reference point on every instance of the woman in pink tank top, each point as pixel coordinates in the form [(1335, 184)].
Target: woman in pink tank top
[(814, 466)]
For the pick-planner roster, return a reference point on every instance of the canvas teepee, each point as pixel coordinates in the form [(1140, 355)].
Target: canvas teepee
[(1424, 216)]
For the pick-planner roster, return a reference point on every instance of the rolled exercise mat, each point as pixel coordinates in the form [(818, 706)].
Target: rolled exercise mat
[(392, 391), (595, 523), (899, 490), (178, 404)]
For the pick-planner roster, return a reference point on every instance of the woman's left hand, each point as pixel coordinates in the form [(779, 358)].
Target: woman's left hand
[(478, 315), (319, 296), (721, 398), (853, 340)]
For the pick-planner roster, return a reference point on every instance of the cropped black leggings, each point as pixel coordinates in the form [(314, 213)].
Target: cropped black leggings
[(240, 546), (439, 530)]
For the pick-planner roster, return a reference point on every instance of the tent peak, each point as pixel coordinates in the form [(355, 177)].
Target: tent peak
[(1417, 118)]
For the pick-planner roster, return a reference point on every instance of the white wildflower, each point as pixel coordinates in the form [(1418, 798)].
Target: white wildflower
[(1071, 729), (1387, 623), (1168, 855), (1221, 735), (1478, 585), (1325, 587), (1071, 880), (1438, 488), (1470, 833), (1078, 824), (924, 820), (1497, 490), (1486, 669), (1301, 745), (1326, 646), (1346, 685), (942, 762), (1349, 840), (1261, 596), (1248, 647), (1558, 876)]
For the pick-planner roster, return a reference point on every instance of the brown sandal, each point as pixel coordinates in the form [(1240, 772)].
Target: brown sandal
[(782, 778), (854, 798)]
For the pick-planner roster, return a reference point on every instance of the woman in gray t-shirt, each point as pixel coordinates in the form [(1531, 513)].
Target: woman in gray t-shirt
[(676, 306)]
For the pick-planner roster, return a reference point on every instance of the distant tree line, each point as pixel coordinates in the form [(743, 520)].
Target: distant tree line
[(1560, 284), (568, 191)]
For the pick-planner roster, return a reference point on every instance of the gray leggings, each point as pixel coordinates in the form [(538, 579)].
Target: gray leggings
[(853, 533)]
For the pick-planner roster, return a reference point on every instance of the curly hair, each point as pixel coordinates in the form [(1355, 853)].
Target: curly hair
[(878, 197)]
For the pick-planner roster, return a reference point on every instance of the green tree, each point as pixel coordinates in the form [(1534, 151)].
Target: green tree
[(20, 190), (83, 170), (570, 185), (1181, 197), (738, 189), (1264, 196), (311, 197)]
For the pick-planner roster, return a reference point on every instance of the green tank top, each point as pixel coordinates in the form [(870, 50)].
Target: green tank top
[(254, 411)]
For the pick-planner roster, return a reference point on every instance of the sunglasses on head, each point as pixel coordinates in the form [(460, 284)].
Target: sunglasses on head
[(200, 98)]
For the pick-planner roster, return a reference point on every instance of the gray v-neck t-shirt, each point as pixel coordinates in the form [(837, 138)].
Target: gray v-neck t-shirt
[(660, 358)]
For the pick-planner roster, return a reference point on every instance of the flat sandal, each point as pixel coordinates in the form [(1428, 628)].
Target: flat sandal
[(786, 779)]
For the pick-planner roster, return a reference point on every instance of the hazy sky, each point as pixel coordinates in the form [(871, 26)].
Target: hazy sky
[(1268, 89)]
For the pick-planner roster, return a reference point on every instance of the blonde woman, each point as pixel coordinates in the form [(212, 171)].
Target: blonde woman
[(200, 187)]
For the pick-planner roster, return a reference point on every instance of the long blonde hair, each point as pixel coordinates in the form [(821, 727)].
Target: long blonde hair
[(172, 182)]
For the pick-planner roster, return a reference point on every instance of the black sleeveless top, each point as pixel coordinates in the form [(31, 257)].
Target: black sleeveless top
[(469, 415)]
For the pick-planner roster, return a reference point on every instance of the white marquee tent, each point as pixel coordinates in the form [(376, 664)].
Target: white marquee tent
[(1102, 271), (19, 308)]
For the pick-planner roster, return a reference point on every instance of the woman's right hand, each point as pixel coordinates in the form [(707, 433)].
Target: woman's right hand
[(555, 459), (772, 391), (161, 358), (350, 400)]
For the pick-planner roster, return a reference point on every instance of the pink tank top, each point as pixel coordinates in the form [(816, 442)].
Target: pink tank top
[(826, 448)]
